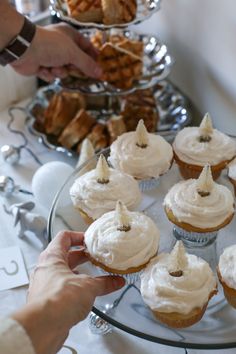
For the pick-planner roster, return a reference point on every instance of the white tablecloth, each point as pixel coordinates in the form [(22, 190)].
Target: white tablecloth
[(118, 341)]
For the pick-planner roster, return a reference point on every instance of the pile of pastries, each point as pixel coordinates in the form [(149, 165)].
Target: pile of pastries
[(176, 286), (109, 12), (71, 117)]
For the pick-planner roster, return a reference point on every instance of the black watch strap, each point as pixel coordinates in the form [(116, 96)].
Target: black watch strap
[(16, 48)]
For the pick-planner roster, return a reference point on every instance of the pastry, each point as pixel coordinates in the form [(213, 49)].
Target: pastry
[(85, 10), (232, 174), (116, 127), (99, 136), (118, 11), (177, 287), (122, 241), (195, 146), (61, 110), (199, 205), (77, 129), (120, 67), (96, 192), (143, 155), (140, 105), (227, 274)]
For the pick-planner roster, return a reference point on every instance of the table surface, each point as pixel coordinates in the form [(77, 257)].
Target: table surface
[(116, 342)]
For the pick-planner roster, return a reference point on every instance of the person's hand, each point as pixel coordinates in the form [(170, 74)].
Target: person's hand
[(56, 48), (59, 297)]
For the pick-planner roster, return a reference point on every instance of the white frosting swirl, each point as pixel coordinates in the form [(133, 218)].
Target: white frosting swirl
[(95, 198), (189, 149), (122, 250), (227, 266), (149, 162), (203, 212), (232, 169), (165, 293)]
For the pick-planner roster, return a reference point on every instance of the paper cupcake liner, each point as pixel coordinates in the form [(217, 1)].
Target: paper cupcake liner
[(196, 238), (148, 184), (130, 278)]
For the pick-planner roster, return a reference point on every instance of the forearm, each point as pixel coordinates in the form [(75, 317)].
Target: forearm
[(11, 23), (45, 330)]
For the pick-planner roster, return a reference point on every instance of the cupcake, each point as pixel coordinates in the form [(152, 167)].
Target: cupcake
[(227, 274), (177, 287), (232, 174), (122, 242), (86, 161), (97, 191), (143, 155), (196, 146), (199, 205)]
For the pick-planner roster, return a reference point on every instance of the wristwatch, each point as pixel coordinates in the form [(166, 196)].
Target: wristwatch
[(17, 47)]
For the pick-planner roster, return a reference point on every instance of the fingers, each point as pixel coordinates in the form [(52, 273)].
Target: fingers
[(76, 257), (106, 284), (85, 63), (45, 74), (67, 239)]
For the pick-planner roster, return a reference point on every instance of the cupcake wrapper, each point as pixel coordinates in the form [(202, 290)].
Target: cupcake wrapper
[(148, 184), (196, 238), (130, 278)]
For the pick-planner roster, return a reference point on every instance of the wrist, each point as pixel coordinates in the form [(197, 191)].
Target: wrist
[(42, 326), (10, 24)]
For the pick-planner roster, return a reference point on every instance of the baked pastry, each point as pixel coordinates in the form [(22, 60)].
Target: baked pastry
[(85, 10), (199, 205), (99, 38), (116, 127), (227, 274), (61, 109), (122, 241), (177, 287), (87, 160), (232, 174), (120, 67), (143, 155), (195, 146), (118, 11), (140, 105), (99, 136), (96, 192), (77, 129)]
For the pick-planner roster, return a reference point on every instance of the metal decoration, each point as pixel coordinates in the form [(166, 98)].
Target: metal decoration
[(8, 187), (28, 221), (10, 153)]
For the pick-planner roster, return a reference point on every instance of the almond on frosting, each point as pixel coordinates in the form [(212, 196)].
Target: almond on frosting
[(141, 135), (102, 170), (205, 129), (166, 293), (205, 182), (178, 261), (119, 248), (122, 216)]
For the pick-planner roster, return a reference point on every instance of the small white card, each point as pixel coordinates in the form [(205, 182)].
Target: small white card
[(68, 348), (12, 268)]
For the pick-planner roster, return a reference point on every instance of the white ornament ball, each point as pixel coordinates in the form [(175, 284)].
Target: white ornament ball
[(48, 180)]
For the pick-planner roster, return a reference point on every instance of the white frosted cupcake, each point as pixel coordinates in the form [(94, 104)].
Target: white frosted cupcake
[(122, 242), (143, 155), (199, 205), (196, 146), (232, 174), (97, 191), (177, 287), (227, 274)]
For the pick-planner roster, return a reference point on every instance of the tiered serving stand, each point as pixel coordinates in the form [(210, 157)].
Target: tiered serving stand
[(125, 308)]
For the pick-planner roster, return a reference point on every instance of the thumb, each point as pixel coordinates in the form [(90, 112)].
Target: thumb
[(106, 284), (86, 64)]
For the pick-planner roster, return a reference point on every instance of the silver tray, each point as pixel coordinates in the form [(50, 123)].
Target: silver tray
[(174, 109), (157, 64), (145, 9)]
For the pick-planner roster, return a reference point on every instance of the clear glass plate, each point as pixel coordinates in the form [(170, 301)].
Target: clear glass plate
[(145, 9), (174, 109), (157, 64), (125, 309)]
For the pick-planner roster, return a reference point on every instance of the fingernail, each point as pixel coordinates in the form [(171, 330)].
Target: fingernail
[(119, 282)]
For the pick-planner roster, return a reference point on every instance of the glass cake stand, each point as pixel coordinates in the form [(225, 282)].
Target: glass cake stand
[(125, 308)]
